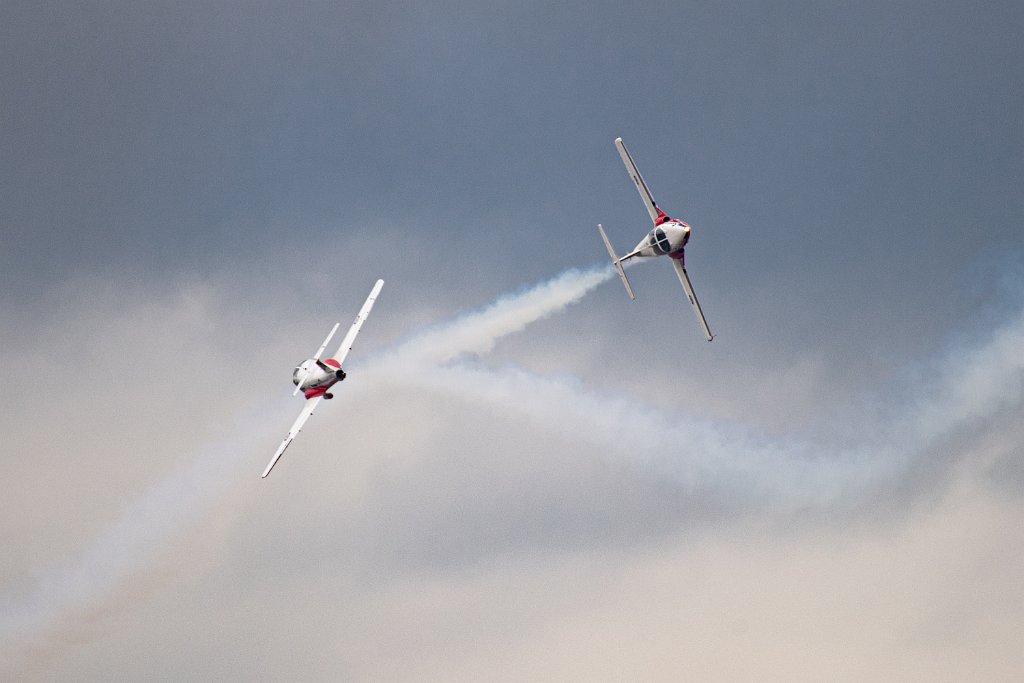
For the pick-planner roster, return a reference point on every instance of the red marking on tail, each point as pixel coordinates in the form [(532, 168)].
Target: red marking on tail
[(333, 363)]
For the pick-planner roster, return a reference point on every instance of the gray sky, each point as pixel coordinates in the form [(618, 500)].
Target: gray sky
[(574, 485)]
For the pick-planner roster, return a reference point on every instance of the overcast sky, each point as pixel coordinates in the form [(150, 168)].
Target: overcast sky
[(561, 485)]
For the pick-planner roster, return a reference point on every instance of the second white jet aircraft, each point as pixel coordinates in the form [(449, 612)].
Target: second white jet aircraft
[(668, 237), (314, 377)]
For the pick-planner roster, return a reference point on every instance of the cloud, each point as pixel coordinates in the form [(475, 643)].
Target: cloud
[(454, 514), (931, 597)]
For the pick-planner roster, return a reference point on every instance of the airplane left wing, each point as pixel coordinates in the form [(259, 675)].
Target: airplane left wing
[(307, 411), (638, 180), (684, 279)]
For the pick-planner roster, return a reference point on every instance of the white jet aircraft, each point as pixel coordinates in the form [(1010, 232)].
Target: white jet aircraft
[(669, 236), (314, 377)]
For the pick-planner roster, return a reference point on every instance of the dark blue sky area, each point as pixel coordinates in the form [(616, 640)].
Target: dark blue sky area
[(817, 140)]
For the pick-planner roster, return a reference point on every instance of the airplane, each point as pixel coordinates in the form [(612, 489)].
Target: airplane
[(313, 377), (669, 236)]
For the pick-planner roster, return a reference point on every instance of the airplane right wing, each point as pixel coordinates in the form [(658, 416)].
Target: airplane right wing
[(350, 338), (685, 280), (307, 411), (638, 180)]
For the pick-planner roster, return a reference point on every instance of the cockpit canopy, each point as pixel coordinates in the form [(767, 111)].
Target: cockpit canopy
[(659, 241), (668, 237)]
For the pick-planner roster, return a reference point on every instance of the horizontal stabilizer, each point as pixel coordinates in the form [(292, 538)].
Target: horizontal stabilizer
[(320, 351), (617, 263)]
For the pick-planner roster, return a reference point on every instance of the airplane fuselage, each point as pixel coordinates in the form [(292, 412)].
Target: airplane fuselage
[(667, 237), (318, 377)]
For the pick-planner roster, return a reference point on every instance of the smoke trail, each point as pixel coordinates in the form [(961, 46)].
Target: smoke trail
[(968, 386), (974, 383), (696, 454), (62, 601), (477, 331)]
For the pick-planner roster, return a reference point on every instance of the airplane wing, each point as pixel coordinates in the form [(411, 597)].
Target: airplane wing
[(685, 280), (350, 338), (307, 410), (638, 180)]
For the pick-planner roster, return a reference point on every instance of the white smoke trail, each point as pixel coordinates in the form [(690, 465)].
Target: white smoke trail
[(62, 601), (477, 332), (696, 454), (968, 386), (973, 383)]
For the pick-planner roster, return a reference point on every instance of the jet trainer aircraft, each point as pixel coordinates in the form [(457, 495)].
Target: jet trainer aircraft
[(669, 236), (313, 377)]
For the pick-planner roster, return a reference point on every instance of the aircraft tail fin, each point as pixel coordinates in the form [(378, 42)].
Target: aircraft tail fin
[(617, 262)]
